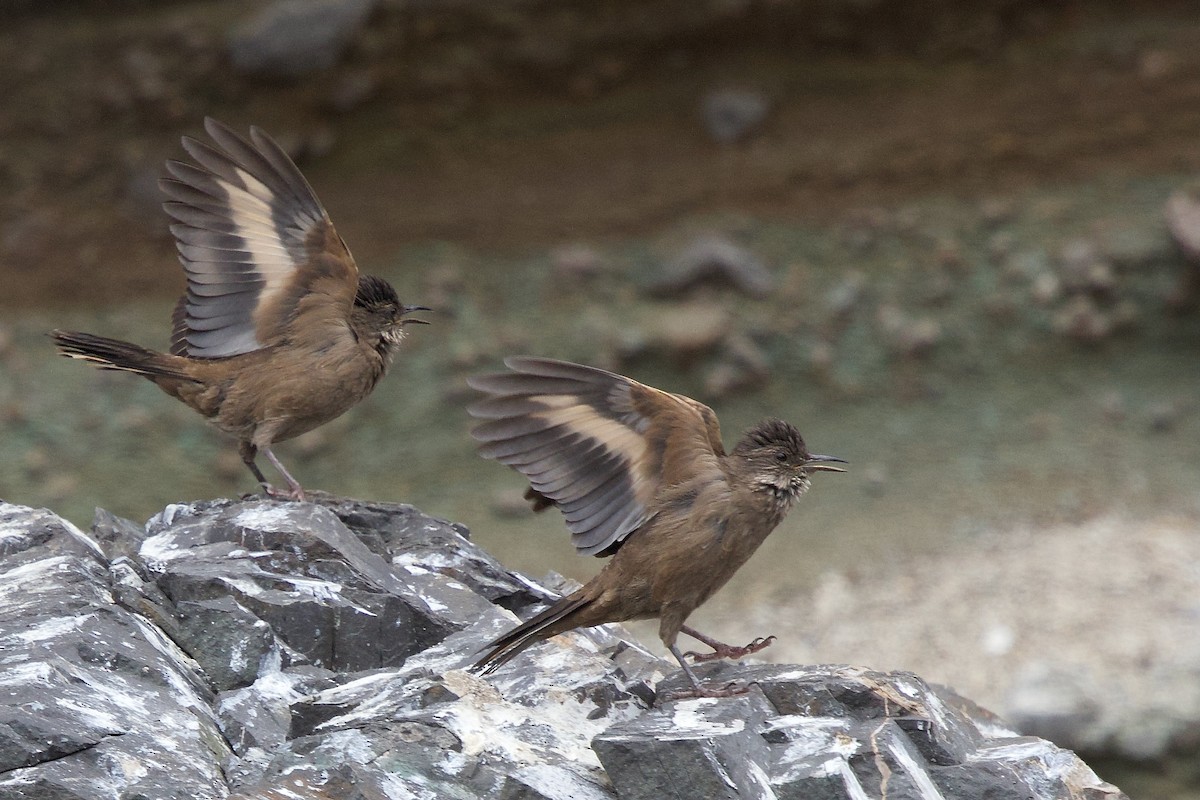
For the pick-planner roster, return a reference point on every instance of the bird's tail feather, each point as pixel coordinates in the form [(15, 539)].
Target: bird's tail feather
[(118, 355), (551, 622)]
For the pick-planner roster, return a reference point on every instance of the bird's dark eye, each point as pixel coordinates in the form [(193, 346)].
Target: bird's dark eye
[(781, 455)]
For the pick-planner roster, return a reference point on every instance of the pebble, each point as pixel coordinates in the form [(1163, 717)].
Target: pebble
[(1081, 320), (294, 38), (997, 210), (937, 289), (1162, 417), (352, 90), (907, 337), (1083, 268), (919, 337), (145, 71), (822, 359), (1112, 406), (1182, 212), (60, 485), (846, 296), (1101, 279), (441, 284), (575, 262), (1000, 245), (1126, 316), (1156, 64), (1000, 306), (723, 380), (1042, 425), (1046, 289), (744, 366), (948, 255), (683, 331), (997, 640), (36, 461), (746, 354), (731, 115), (715, 259), (133, 419), (875, 479)]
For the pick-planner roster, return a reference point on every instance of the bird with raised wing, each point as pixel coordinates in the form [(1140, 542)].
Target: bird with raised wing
[(640, 475), (278, 333)]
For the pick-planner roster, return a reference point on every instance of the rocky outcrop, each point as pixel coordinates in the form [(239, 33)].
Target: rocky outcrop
[(263, 649)]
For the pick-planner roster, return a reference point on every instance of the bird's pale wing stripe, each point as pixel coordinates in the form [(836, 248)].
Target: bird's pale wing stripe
[(245, 220), (506, 384), (514, 427), (579, 437), (513, 406)]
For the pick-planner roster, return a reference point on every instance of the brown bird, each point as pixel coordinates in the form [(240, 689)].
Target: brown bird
[(640, 475), (277, 333)]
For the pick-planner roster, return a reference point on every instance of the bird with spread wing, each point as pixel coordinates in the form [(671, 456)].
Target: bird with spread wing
[(640, 475), (278, 333)]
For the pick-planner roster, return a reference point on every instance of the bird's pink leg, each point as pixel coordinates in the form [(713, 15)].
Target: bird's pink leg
[(297, 491), (698, 689), (722, 650)]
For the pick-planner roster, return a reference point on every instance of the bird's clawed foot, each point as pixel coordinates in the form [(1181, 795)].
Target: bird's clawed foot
[(294, 493), (722, 650), (731, 689)]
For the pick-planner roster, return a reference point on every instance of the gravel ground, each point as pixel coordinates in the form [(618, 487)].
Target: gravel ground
[(1085, 633)]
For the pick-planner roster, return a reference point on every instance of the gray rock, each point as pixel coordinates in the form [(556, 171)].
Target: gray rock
[(717, 260), (700, 747), (847, 732), (731, 115), (263, 649), (1182, 213), (293, 38), (307, 590), (94, 700), (680, 333)]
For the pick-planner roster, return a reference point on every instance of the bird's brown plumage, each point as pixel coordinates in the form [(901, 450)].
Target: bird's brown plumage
[(639, 474), (278, 332)]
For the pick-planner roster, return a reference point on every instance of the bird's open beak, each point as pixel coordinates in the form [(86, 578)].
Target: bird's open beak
[(409, 309), (813, 463)]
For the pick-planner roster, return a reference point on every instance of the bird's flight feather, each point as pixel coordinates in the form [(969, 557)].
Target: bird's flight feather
[(593, 442), (254, 240)]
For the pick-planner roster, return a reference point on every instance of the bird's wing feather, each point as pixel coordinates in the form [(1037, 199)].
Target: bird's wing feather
[(595, 443), (258, 248)]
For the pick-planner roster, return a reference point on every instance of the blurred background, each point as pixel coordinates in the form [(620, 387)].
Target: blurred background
[(955, 242)]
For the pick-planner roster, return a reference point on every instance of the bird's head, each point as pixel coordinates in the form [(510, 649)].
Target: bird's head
[(776, 460), (380, 314)]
